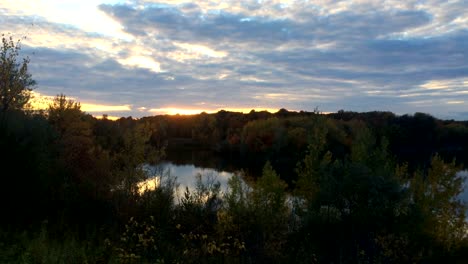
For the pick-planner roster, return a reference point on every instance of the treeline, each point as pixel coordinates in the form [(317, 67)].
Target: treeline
[(282, 138)]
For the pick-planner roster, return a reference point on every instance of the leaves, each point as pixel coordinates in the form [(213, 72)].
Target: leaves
[(435, 195), (16, 83)]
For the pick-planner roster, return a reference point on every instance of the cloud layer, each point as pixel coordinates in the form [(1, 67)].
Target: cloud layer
[(402, 56)]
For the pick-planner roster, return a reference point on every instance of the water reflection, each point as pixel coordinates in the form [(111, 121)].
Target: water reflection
[(464, 195), (185, 176)]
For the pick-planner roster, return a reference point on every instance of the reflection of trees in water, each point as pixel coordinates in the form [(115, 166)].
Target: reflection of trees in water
[(210, 159), (182, 177), (251, 165)]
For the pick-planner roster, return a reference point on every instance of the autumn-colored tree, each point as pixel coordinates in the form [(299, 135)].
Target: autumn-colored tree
[(268, 200), (74, 134), (311, 170), (435, 196), (16, 83), (86, 167)]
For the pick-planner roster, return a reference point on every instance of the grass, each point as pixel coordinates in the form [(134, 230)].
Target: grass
[(38, 247)]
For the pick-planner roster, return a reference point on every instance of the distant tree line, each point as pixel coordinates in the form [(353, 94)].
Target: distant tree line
[(282, 137)]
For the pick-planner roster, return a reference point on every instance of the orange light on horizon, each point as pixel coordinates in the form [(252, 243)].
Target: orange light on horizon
[(87, 107), (39, 101), (177, 111), (189, 111), (113, 118), (247, 110), (42, 102)]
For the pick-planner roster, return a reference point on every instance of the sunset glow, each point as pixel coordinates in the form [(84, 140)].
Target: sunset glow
[(176, 111), (91, 108), (113, 118), (42, 102), (188, 111), (139, 58)]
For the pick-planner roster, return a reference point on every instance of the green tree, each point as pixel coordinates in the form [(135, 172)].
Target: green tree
[(257, 215), (83, 169), (311, 170), (74, 135), (16, 83), (66, 117), (271, 211), (435, 197)]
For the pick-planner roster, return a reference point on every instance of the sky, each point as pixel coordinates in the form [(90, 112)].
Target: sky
[(145, 57)]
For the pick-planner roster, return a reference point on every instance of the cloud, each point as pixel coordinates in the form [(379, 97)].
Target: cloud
[(402, 56), (91, 108), (182, 26), (194, 51), (451, 84), (41, 102), (141, 62), (175, 111), (71, 12), (455, 102)]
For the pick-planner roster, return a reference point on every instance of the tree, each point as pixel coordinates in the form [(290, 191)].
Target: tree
[(270, 211), (65, 114), (435, 197), (16, 83), (312, 170)]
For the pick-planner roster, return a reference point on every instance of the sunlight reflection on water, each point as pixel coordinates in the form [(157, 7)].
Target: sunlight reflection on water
[(185, 177)]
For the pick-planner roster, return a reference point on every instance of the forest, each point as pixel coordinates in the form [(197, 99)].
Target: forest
[(345, 187)]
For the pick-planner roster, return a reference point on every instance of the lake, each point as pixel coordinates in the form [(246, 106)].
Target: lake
[(464, 195), (186, 176)]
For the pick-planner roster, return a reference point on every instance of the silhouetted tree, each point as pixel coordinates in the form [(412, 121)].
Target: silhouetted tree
[(15, 81)]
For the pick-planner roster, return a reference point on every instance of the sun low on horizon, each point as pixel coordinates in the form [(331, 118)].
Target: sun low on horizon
[(147, 57), (42, 102)]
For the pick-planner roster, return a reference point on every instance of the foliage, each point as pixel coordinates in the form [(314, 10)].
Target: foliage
[(138, 241), (311, 170), (435, 197), (16, 82), (42, 246)]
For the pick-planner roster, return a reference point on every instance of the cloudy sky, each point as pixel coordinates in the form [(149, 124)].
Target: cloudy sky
[(144, 57)]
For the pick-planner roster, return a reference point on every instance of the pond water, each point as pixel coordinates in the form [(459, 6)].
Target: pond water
[(185, 176), (464, 195)]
